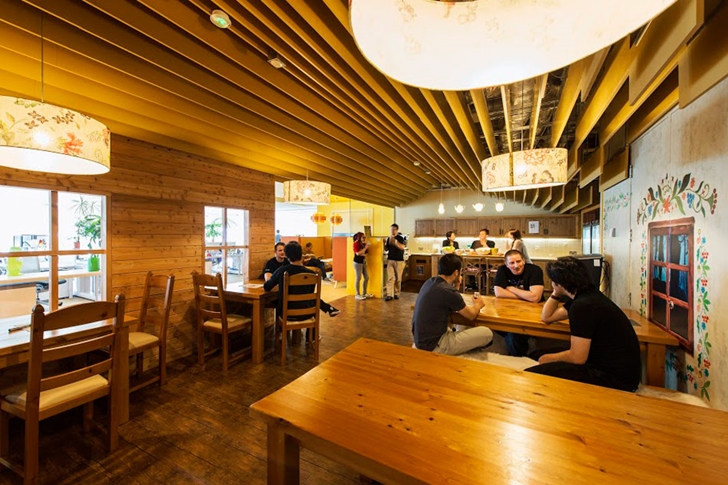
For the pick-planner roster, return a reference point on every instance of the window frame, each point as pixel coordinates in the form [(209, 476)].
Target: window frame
[(53, 253), (224, 247), (669, 228)]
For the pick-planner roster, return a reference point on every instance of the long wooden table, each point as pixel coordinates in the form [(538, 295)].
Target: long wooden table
[(252, 292), (401, 415), (523, 317), (14, 348)]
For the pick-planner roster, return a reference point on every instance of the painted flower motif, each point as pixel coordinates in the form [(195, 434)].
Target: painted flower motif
[(706, 363), (667, 206), (692, 182), (73, 146)]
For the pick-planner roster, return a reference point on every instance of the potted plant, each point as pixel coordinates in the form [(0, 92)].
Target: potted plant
[(88, 225)]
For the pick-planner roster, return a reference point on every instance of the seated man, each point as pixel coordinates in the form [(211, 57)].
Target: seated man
[(483, 241), (310, 259), (518, 279), (275, 262), (437, 299), (294, 253), (604, 347)]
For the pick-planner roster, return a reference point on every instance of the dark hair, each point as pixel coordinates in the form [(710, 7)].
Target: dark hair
[(275, 248), (568, 272), (516, 233), (487, 232), (357, 236), (450, 233), (449, 263), (309, 244), (512, 252), (293, 251), (395, 226)]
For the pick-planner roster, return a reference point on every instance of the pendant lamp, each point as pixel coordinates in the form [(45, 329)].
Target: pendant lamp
[(43, 137), (306, 191)]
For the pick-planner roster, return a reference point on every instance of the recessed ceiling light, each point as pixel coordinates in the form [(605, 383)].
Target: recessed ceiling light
[(416, 164), (220, 19), (276, 61), (427, 172)]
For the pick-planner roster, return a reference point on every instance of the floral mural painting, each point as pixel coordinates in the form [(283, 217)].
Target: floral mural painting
[(695, 372), (672, 195)]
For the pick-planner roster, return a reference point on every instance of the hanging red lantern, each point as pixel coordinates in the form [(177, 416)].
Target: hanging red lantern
[(336, 219), (318, 218)]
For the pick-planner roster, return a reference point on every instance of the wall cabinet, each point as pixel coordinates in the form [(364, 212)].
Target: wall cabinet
[(554, 226), (467, 226), (424, 227), (509, 223), (442, 226)]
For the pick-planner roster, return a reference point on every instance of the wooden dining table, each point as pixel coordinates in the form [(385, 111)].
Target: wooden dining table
[(14, 349), (401, 415), (252, 293), (519, 316)]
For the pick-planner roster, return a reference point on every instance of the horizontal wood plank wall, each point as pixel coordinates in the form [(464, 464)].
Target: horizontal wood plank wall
[(156, 219)]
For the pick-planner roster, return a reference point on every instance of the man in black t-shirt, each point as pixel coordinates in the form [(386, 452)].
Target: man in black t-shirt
[(518, 279), (394, 245), (604, 348), (275, 262), (294, 254), (483, 241)]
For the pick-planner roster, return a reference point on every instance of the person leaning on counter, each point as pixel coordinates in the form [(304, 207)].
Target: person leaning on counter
[(604, 348)]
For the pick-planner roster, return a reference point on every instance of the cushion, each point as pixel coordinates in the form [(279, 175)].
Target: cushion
[(234, 322), (141, 339), (60, 394)]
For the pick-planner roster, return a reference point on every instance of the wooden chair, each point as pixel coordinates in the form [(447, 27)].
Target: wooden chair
[(300, 290), (212, 317), (156, 304), (43, 397)]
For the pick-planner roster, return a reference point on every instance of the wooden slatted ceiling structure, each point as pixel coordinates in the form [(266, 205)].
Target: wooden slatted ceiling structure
[(159, 71)]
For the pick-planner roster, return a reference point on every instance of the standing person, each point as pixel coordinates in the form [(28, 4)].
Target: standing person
[(275, 262), (278, 236), (483, 241), (604, 348), (361, 246), (514, 238), (394, 245), (310, 259), (294, 254), (518, 279), (450, 241), (438, 298)]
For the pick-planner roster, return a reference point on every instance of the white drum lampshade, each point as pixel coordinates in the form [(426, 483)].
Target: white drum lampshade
[(46, 138)]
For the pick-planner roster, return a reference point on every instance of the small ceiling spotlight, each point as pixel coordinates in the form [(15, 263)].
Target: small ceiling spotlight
[(275, 61), (220, 19), (416, 164), (427, 172)]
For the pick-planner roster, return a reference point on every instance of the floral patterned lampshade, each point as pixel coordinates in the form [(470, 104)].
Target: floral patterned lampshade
[(526, 169), (318, 218), (46, 138), (456, 46), (306, 192), (336, 219)]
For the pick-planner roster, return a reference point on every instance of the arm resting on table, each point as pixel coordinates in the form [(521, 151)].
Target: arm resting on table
[(533, 294), (553, 311), (577, 354)]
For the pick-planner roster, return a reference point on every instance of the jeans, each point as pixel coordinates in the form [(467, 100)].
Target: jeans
[(516, 343), (394, 277), (361, 269)]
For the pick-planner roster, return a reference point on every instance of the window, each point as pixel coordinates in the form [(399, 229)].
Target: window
[(52, 249), (226, 243), (671, 276)]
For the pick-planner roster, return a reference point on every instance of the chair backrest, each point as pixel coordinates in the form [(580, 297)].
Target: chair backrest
[(66, 319), (209, 305), (31, 264), (157, 302), (301, 295)]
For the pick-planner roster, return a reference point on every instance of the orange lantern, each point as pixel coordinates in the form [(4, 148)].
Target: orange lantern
[(336, 219), (318, 218)]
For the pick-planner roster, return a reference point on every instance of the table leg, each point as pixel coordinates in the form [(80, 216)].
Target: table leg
[(258, 330), (283, 457), (122, 366), (655, 364)]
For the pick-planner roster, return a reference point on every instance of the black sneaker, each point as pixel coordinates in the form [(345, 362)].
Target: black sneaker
[(396, 297), (333, 312), (389, 298)]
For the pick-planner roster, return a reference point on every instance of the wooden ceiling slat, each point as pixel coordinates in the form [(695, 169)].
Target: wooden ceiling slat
[(486, 124), (539, 89), (506, 97)]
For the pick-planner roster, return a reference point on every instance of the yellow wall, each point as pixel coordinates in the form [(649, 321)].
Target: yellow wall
[(375, 267), (382, 217)]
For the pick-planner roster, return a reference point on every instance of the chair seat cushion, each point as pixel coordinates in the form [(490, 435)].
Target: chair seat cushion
[(60, 394), (141, 339), (234, 322)]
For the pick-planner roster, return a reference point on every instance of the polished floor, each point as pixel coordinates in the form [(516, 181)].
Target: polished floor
[(197, 429)]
